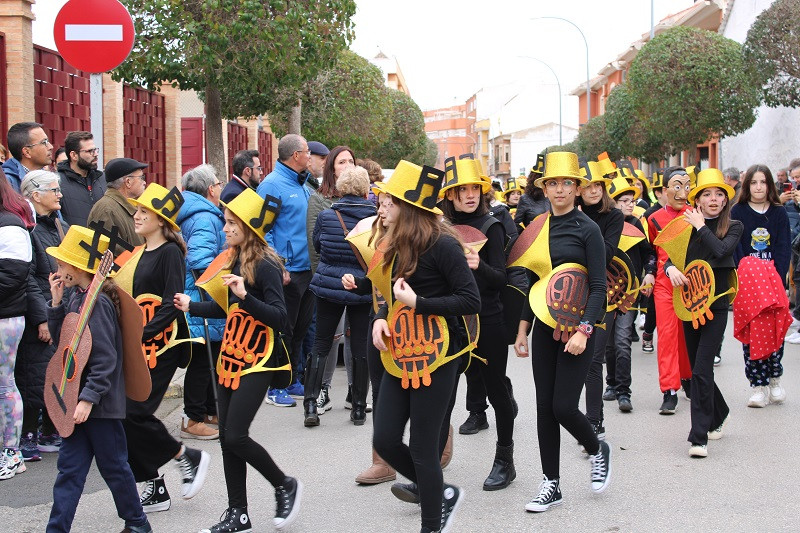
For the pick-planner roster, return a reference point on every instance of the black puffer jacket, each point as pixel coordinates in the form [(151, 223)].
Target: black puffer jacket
[(34, 355), (80, 193)]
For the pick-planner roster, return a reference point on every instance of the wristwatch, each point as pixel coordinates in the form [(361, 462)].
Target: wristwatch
[(586, 328)]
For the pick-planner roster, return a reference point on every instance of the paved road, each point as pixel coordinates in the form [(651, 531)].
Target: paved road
[(747, 483)]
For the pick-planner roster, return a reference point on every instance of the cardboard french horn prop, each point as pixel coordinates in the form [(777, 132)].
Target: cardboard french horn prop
[(622, 284), (692, 302)]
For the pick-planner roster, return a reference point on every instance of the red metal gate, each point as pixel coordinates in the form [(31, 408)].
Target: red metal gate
[(144, 131), (265, 150), (61, 96), (3, 98), (237, 140), (192, 144)]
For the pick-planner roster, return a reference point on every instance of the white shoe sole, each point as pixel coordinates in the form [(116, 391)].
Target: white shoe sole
[(187, 435), (286, 522), (539, 508), (459, 501), (698, 452), (199, 476), (322, 409), (157, 507), (271, 402), (757, 404), (607, 481)]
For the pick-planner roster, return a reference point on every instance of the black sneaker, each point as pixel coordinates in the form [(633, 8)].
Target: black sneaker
[(624, 402), (154, 496), (475, 422), (647, 343), (549, 495), (601, 468), (234, 520), (144, 528), (288, 498), (670, 404), (452, 497), (406, 492), (193, 465), (610, 394), (599, 430)]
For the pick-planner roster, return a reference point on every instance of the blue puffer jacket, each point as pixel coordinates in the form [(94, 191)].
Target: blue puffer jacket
[(201, 226), (336, 257)]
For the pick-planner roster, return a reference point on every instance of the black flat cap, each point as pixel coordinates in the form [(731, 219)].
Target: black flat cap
[(121, 167)]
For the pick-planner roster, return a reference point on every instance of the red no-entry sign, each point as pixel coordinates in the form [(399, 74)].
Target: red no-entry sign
[(94, 35)]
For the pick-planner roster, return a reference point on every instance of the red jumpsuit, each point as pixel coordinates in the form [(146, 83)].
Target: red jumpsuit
[(673, 360)]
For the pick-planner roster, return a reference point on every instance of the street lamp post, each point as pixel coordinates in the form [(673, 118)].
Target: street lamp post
[(558, 83), (586, 43)]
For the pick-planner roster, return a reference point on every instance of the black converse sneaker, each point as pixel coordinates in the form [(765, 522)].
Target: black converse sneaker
[(234, 520), (601, 468), (406, 492), (451, 501), (288, 498), (549, 495), (193, 465), (154, 496)]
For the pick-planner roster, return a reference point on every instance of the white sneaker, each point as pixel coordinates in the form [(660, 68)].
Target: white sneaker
[(794, 338), (795, 323), (640, 320), (777, 394), (759, 398)]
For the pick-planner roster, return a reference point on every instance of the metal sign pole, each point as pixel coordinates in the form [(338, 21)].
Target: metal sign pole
[(96, 110)]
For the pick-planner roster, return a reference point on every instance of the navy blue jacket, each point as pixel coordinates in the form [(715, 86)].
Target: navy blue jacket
[(14, 172), (765, 236), (336, 256), (201, 226)]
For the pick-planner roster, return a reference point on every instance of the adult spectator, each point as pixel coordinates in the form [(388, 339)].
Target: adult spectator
[(30, 150), (201, 224), (81, 183), (125, 179), (732, 176), (288, 238), (59, 156), (375, 173), (316, 165), (42, 189), (3, 154), (247, 172), (781, 177)]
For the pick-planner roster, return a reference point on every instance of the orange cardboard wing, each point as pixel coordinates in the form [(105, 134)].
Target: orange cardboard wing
[(472, 237)]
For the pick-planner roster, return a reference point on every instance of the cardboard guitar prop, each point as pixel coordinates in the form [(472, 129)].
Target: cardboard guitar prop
[(63, 376)]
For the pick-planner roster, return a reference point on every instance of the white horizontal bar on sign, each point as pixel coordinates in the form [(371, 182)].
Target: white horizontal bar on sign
[(93, 32)]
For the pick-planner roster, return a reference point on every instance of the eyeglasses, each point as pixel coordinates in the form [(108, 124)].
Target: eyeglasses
[(55, 190), (43, 142), (308, 152), (552, 184), (91, 151), (218, 184), (625, 201), (140, 176)]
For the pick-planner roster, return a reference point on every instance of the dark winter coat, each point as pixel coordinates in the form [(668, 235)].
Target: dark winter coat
[(80, 193), (528, 209), (336, 256)]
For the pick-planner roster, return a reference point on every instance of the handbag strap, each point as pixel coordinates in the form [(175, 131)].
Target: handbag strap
[(353, 246)]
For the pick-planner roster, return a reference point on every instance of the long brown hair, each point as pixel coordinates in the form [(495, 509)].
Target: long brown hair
[(328, 186), (251, 252), (109, 288), (606, 202), (414, 232), (724, 216), (173, 236), (772, 190)]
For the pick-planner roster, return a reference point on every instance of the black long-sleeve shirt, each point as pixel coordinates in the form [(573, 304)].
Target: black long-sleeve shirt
[(640, 253), (610, 224), (491, 272), (575, 238), (160, 272)]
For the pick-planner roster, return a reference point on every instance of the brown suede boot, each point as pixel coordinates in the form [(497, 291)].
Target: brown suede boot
[(379, 472), (447, 454)]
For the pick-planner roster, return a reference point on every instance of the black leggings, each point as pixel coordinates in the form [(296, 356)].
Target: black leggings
[(559, 377), (237, 408), (198, 382), (427, 408), (708, 406), (594, 378), (493, 348), (650, 316)]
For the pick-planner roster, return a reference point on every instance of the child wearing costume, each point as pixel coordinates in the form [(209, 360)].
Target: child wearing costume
[(98, 432)]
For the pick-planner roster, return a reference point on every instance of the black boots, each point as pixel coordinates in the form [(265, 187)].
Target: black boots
[(503, 471), (313, 383), (311, 417), (359, 391)]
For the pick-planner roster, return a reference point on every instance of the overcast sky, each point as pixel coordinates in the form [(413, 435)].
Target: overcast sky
[(449, 49)]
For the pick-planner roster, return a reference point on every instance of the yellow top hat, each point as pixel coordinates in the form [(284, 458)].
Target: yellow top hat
[(710, 177), (620, 186), (592, 172), (625, 169), (82, 248), (658, 178), (515, 184), (692, 172), (256, 213), (463, 171), (561, 165), (164, 203), (605, 166), (377, 188), (416, 185), (539, 167), (639, 175)]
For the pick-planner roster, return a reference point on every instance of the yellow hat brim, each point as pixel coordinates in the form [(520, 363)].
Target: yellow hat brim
[(582, 181), (636, 192), (700, 188), (69, 259)]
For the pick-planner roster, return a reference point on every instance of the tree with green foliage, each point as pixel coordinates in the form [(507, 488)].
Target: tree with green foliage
[(237, 54), (346, 103), (568, 147), (688, 84), (593, 139), (626, 135), (407, 139), (773, 49)]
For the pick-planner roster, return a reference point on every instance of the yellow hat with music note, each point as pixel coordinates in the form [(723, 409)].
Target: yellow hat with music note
[(82, 248), (515, 184), (710, 177), (561, 165), (255, 212), (164, 203), (620, 186), (463, 171), (605, 166), (415, 185)]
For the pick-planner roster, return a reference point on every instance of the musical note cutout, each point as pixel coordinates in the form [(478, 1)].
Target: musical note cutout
[(93, 249), (174, 196), (427, 189), (272, 206)]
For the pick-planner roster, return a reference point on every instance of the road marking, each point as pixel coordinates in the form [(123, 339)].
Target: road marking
[(93, 32)]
